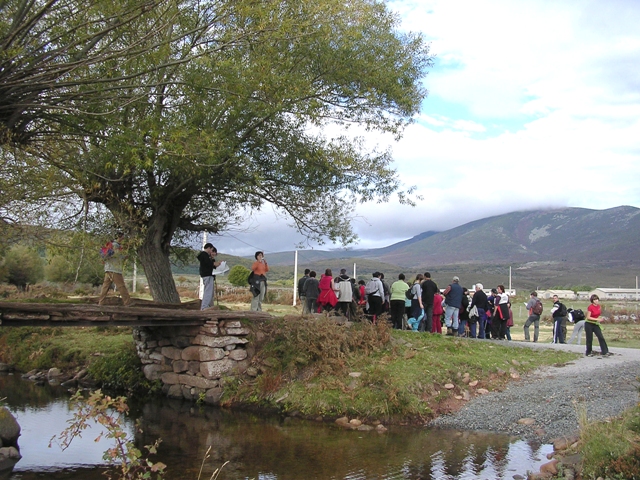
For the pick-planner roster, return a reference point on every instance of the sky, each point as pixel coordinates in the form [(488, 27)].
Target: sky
[(532, 104)]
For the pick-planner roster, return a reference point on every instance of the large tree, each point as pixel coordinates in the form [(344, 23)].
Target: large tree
[(222, 110)]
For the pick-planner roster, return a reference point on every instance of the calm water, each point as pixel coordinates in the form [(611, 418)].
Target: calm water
[(259, 447)]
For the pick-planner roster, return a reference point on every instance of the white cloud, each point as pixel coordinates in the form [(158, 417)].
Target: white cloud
[(532, 104)]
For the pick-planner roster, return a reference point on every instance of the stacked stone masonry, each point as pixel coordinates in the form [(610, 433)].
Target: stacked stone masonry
[(192, 362)]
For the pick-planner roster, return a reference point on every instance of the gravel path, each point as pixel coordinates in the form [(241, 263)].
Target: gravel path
[(552, 395)]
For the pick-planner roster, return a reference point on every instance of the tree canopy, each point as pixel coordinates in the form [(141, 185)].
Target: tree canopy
[(182, 116)]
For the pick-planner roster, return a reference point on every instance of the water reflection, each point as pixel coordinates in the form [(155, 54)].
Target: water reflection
[(263, 447)]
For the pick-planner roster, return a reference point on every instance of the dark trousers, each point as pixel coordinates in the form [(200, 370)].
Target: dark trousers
[(589, 330), (375, 306), (397, 312), (427, 322), (558, 332)]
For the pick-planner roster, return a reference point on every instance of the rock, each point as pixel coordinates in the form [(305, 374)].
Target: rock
[(355, 422), (355, 374), (365, 428), (9, 456), (449, 386), (482, 391), (381, 428), (473, 383), (4, 368), (213, 396), (526, 421), (563, 443), (550, 467), (9, 428), (53, 373)]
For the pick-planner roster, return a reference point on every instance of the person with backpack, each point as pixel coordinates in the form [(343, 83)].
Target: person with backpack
[(578, 325), (534, 305), (113, 267), (375, 296), (559, 314)]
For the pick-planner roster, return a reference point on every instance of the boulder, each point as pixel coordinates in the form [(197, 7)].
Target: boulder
[(9, 428)]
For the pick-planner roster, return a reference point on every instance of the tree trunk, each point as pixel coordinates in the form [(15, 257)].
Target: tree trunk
[(154, 257)]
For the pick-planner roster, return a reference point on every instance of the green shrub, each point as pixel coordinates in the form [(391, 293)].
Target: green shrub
[(23, 266), (238, 276), (122, 372)]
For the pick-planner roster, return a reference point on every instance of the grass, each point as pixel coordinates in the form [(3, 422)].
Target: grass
[(611, 449)]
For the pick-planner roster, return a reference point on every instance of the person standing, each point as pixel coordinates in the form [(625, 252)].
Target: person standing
[(429, 288), (375, 296), (436, 324), (417, 309), (559, 314), (463, 317), (500, 314), (344, 291), (259, 281), (303, 300), (479, 300), (534, 305), (592, 325), (208, 264), (397, 303), (311, 292), (453, 299), (113, 268)]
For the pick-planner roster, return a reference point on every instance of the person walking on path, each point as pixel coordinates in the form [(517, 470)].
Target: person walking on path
[(113, 268), (208, 264), (534, 305), (259, 281), (592, 325)]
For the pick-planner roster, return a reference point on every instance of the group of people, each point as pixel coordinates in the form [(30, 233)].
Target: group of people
[(560, 314), (328, 293)]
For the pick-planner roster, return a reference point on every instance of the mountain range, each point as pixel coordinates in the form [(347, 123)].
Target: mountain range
[(559, 247)]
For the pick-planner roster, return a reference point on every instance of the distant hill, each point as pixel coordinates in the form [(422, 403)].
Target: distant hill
[(568, 246)]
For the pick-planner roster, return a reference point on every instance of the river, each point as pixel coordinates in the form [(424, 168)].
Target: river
[(258, 446)]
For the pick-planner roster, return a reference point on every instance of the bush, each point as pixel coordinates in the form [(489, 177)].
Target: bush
[(122, 372), (64, 268), (23, 267), (238, 276)]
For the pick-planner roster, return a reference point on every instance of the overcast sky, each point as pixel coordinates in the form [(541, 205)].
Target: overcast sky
[(532, 104)]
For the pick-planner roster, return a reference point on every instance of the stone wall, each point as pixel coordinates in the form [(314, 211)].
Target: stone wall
[(193, 361)]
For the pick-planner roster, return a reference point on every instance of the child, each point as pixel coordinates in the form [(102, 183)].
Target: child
[(592, 325), (509, 322), (414, 322), (436, 325)]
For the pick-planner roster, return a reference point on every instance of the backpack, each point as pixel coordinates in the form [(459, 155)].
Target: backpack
[(107, 251), (409, 294), (371, 287), (577, 315), (537, 308)]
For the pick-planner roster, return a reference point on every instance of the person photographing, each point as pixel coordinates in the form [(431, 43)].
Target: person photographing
[(208, 264)]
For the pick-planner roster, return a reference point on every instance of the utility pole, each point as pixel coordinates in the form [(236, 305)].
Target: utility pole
[(295, 277)]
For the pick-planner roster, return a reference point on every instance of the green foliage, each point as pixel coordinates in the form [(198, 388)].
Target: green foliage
[(611, 449), (238, 276), (23, 266), (122, 372), (230, 131), (129, 462), (64, 269)]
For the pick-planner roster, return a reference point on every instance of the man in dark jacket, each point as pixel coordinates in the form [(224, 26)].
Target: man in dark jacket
[(311, 291), (479, 300), (429, 288), (559, 314), (303, 300), (453, 299)]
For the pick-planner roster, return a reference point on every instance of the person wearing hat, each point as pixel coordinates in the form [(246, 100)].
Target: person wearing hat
[(453, 299)]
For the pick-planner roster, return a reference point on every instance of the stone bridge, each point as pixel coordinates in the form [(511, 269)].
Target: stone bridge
[(189, 350)]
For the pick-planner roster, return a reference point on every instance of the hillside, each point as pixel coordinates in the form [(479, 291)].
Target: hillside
[(569, 246)]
